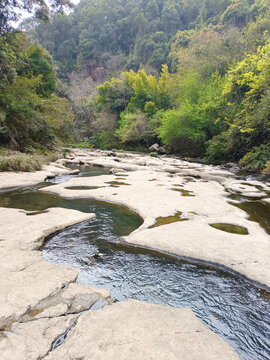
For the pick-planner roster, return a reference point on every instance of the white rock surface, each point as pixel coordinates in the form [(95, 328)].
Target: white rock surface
[(139, 331), (32, 340), (39, 300), (36, 297), (10, 180), (153, 192)]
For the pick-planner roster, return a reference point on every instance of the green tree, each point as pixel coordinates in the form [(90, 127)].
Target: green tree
[(115, 94), (197, 119), (9, 10), (30, 114), (132, 127), (246, 92), (39, 64)]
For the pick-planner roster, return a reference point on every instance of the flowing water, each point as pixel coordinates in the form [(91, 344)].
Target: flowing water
[(228, 305)]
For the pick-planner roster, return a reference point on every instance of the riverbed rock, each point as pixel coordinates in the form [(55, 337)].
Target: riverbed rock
[(32, 285), (136, 330), (191, 189), (9, 180), (33, 340), (154, 147), (234, 167), (39, 301)]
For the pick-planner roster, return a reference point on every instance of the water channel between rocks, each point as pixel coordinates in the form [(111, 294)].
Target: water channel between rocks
[(228, 305)]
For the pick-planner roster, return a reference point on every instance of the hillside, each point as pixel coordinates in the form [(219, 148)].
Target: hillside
[(192, 76), (120, 34)]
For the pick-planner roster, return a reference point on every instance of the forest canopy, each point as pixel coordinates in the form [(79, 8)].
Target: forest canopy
[(192, 76)]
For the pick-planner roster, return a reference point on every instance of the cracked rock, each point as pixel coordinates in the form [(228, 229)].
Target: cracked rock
[(33, 340), (71, 300), (136, 330)]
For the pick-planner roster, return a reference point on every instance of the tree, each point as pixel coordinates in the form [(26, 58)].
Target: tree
[(152, 10), (187, 128), (207, 50), (247, 94), (82, 93), (30, 114), (140, 31), (247, 90), (9, 10), (133, 128), (115, 94), (39, 65), (238, 13)]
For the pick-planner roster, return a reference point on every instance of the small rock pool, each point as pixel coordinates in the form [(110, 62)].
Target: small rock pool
[(228, 305)]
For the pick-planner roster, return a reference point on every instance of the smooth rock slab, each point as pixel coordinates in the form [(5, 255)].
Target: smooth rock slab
[(28, 278), (37, 297), (32, 340), (10, 180), (153, 194), (135, 330)]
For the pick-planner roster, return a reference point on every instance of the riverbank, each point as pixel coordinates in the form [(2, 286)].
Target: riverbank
[(157, 188)]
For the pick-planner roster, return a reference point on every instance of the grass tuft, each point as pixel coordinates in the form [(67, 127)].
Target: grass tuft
[(22, 162)]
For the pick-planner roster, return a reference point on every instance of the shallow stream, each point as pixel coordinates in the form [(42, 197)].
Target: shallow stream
[(228, 305)]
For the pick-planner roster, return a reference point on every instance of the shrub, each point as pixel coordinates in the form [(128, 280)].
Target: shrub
[(132, 127), (65, 152), (82, 145), (257, 158), (266, 170), (153, 154), (105, 140), (181, 131), (230, 145), (217, 149)]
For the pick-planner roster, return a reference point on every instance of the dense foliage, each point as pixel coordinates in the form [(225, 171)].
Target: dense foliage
[(215, 106), (10, 10), (31, 115), (192, 75), (124, 33)]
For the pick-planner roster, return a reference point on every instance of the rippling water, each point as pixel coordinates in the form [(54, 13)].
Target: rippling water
[(228, 305)]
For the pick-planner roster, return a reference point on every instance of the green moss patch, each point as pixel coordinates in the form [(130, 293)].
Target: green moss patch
[(168, 220), (83, 187), (117, 183), (230, 228), (183, 192)]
